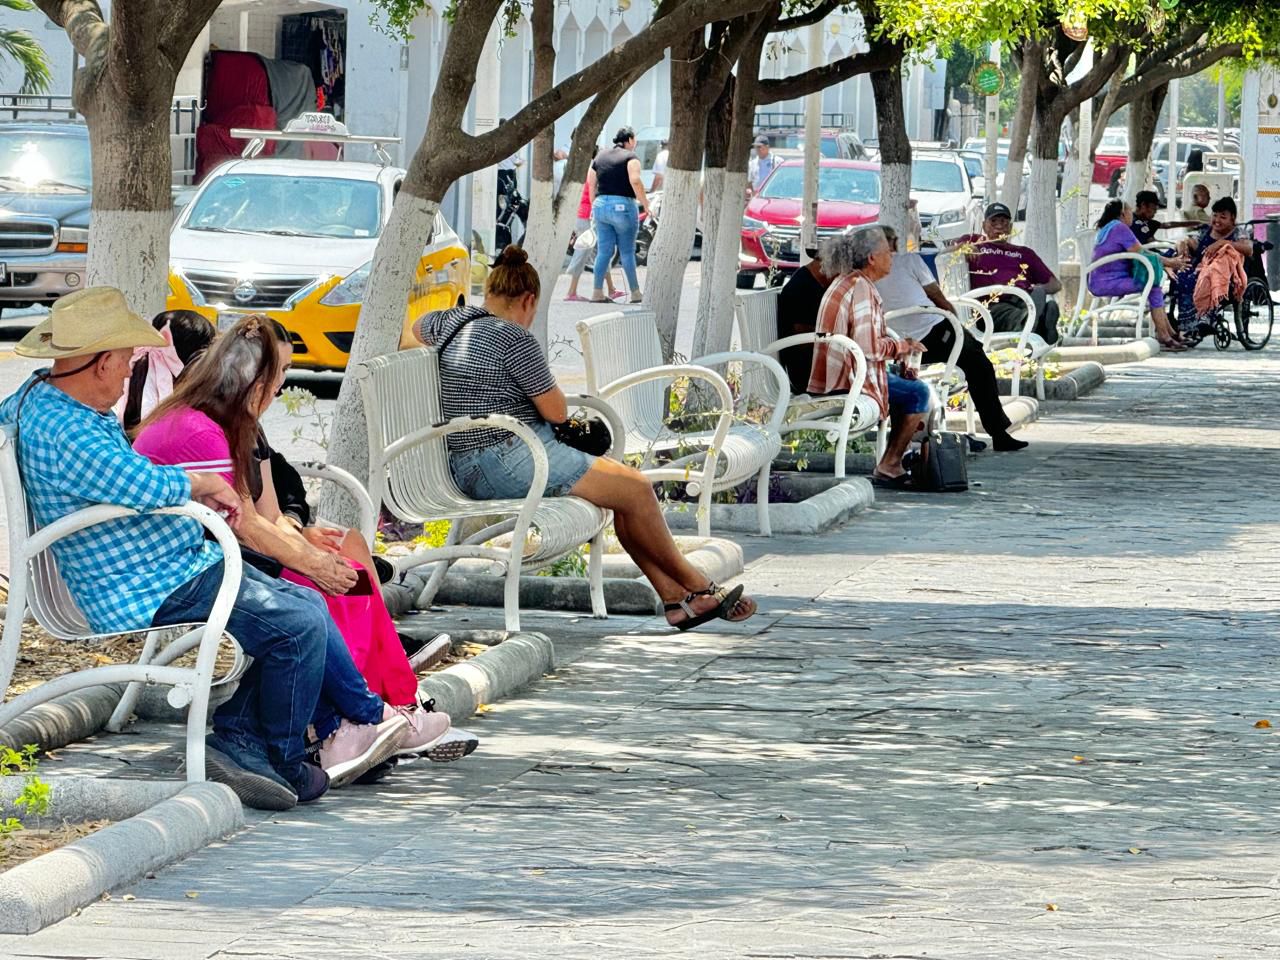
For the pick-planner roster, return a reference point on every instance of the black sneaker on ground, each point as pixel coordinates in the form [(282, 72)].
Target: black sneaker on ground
[(312, 782), (254, 789), (976, 445), (383, 567)]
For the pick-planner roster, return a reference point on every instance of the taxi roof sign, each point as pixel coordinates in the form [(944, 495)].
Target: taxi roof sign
[(323, 127)]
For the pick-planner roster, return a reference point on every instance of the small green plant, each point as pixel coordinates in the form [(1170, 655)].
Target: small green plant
[(36, 794), (570, 565), (304, 405)]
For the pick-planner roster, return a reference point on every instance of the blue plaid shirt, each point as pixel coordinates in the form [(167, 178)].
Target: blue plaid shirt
[(73, 457)]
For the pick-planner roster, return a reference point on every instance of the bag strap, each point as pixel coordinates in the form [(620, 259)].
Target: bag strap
[(440, 347)]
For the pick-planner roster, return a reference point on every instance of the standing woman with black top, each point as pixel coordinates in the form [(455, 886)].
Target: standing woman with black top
[(615, 186)]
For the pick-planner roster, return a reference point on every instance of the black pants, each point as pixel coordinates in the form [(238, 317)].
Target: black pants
[(979, 374), (1009, 316)]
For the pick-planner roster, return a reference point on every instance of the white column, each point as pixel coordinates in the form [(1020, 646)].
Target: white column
[(1085, 135), (990, 168), (812, 151), (1222, 112), (484, 183), (1174, 86)]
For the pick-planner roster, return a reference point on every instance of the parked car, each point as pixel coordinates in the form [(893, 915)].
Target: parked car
[(976, 164), (944, 195), (835, 144), (848, 195), (1111, 157), (294, 239), (44, 211)]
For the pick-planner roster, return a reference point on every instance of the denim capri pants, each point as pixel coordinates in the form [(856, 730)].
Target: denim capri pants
[(907, 397), (504, 471)]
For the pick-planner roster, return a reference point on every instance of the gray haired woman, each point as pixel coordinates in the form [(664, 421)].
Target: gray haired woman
[(852, 307)]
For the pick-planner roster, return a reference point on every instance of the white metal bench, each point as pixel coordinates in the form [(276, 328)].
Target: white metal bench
[(409, 473), (37, 589), (623, 357), (1090, 309), (841, 416)]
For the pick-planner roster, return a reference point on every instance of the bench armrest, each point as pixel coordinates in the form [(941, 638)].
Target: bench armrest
[(672, 371), (354, 488), (782, 381), (617, 432)]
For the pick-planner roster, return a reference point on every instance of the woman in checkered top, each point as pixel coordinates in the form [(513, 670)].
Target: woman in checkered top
[(491, 364)]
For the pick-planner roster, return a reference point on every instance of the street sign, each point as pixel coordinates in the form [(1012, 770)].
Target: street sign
[(988, 79)]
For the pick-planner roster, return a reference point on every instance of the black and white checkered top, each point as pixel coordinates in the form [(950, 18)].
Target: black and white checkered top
[(491, 366)]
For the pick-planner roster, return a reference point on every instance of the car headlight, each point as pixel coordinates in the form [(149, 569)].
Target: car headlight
[(751, 223), (197, 298), (950, 216), (350, 290), (73, 239)]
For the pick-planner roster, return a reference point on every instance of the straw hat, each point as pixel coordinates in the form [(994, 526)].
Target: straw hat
[(86, 322)]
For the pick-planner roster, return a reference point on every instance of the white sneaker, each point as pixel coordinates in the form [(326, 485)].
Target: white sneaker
[(454, 745)]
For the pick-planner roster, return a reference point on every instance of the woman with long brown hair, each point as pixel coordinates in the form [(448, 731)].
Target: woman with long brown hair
[(210, 424)]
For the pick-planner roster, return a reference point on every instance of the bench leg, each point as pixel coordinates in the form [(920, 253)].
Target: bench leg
[(762, 501), (129, 699), (842, 448), (439, 570), (16, 614), (595, 576)]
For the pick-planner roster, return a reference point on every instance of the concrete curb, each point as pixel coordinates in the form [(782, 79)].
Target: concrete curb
[(830, 508), (47, 889), (74, 716), (494, 675), (75, 799), (621, 595), (1081, 379), (1020, 411), (719, 559), (1130, 352)]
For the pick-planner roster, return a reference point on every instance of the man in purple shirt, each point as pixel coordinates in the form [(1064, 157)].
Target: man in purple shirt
[(993, 260)]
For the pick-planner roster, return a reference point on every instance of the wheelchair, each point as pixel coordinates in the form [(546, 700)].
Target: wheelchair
[(1246, 320)]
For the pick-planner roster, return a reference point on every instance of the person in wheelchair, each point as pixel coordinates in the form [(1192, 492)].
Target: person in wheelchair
[(1221, 231)]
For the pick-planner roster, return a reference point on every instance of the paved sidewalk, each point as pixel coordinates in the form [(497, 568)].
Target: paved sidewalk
[(1013, 724)]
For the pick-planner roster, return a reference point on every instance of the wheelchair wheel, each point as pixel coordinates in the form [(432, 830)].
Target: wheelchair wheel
[(1221, 334), (1254, 316)]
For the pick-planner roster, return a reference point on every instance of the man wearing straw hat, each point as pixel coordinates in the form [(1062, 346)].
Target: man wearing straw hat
[(136, 572)]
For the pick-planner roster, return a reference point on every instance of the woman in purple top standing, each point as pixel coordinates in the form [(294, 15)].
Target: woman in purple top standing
[(1118, 279)]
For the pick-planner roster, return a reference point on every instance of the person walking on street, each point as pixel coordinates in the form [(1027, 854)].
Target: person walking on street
[(761, 165), (617, 193)]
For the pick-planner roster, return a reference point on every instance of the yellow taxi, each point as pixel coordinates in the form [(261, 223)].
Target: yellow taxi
[(294, 239)]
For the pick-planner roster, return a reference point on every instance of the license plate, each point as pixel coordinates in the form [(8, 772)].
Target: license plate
[(4, 272)]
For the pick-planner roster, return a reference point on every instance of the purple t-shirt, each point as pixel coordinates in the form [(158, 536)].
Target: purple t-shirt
[(996, 262), (1115, 237)]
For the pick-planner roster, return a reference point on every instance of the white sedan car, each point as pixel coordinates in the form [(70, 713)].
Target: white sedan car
[(944, 196)]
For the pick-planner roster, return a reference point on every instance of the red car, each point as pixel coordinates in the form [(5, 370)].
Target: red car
[(848, 195)]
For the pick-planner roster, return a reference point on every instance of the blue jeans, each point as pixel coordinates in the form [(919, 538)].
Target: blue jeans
[(302, 672), (617, 220), (907, 397), (504, 471)]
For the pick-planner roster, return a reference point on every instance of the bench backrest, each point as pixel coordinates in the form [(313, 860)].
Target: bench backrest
[(48, 598), (615, 345), (401, 393), (756, 314), (953, 273)]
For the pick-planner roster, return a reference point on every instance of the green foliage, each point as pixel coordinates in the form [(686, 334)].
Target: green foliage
[(395, 17), (301, 403), (570, 565), (36, 794), (21, 47)]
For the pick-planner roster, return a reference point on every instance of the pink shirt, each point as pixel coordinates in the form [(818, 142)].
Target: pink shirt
[(189, 439)]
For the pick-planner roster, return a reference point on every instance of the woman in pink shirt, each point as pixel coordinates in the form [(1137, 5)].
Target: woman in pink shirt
[(851, 306), (210, 424)]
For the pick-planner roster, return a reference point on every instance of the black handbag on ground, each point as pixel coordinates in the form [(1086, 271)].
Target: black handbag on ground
[(943, 466)]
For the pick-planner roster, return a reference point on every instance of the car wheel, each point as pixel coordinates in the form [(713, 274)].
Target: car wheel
[(746, 281)]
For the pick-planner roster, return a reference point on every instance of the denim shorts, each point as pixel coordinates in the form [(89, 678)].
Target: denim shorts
[(907, 397), (504, 471)]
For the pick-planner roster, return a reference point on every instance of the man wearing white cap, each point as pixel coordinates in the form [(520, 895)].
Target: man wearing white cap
[(135, 572)]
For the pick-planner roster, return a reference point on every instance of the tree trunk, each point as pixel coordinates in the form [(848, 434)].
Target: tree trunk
[(132, 202), (540, 242), (1071, 198), (1042, 194), (719, 130), (1020, 128), (1144, 114), (682, 183), (895, 147)]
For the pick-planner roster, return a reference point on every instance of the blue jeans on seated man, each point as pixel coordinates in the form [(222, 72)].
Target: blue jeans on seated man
[(302, 671), (907, 397)]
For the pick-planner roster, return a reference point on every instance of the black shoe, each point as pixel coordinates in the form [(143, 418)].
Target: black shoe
[(384, 568), (311, 782), (376, 774), (976, 445), (1006, 443), (254, 789)]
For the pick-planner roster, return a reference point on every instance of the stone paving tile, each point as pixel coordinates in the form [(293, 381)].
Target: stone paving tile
[(953, 715)]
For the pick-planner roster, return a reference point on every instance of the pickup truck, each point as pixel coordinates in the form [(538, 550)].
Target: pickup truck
[(44, 211)]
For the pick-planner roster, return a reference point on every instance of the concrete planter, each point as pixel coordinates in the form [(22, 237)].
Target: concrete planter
[(1020, 410), (50, 887), (502, 670), (1081, 379), (1128, 351), (823, 502)]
